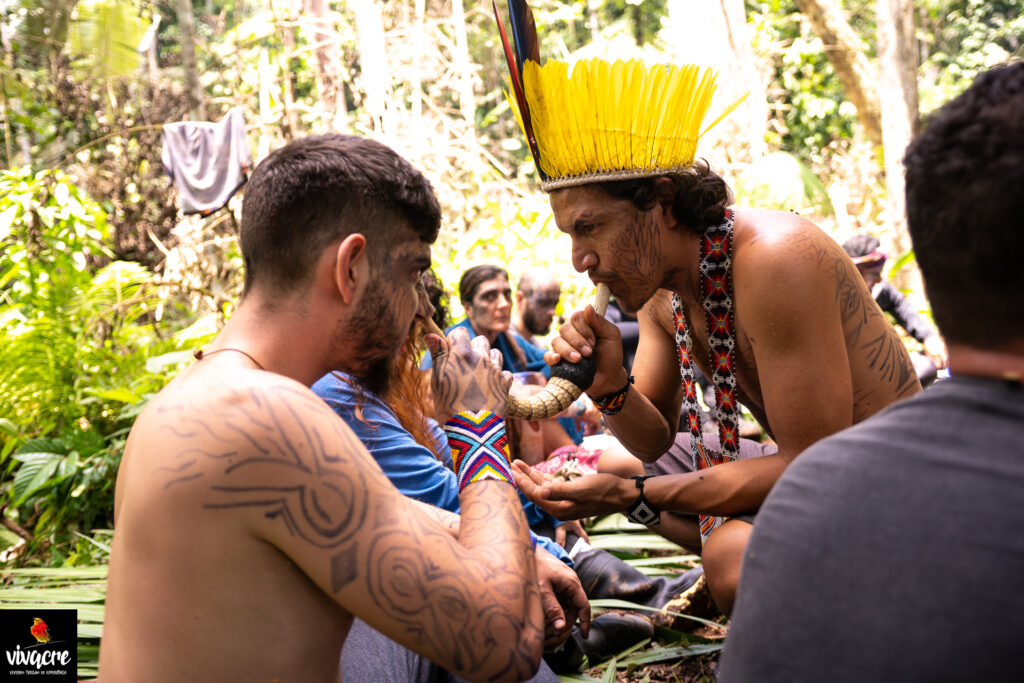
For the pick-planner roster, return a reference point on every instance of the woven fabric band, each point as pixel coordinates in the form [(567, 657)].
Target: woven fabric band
[(717, 302), (611, 404), (479, 447), (552, 184)]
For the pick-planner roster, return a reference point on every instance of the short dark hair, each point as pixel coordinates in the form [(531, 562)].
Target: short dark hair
[(964, 178), (702, 196), (321, 188), (471, 280), (860, 244)]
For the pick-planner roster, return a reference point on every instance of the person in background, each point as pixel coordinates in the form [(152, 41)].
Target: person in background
[(907, 526), (863, 249), (536, 300)]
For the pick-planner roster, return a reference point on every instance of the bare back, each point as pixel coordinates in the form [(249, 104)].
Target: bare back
[(250, 525)]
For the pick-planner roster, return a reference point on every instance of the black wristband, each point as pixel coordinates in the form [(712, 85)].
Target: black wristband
[(611, 404), (643, 511)]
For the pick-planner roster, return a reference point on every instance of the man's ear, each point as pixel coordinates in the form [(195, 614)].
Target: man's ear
[(520, 297), (665, 198), (351, 266)]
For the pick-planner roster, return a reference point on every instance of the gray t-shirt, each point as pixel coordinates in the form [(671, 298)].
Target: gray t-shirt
[(894, 550)]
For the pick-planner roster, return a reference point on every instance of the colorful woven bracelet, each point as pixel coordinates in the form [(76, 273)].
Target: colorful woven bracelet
[(611, 404), (479, 447)]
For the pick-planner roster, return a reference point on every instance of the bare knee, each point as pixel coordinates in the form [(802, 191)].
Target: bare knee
[(723, 556)]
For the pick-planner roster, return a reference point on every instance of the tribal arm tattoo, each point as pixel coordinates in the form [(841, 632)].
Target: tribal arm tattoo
[(466, 379), (296, 475)]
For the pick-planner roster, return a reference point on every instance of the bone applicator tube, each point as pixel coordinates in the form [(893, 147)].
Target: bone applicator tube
[(601, 298)]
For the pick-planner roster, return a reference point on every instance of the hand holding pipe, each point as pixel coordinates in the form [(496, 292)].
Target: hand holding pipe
[(568, 380)]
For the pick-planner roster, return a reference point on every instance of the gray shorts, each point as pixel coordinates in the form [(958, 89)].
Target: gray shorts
[(679, 460)]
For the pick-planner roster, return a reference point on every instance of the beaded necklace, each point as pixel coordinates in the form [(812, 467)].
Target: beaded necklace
[(716, 298)]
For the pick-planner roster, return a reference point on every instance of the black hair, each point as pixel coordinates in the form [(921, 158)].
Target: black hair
[(701, 198), (471, 280), (321, 188), (964, 178), (860, 244)]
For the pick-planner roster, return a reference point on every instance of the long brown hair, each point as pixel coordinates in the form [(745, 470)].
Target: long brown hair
[(408, 395)]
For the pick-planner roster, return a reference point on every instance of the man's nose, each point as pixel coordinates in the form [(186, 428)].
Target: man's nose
[(583, 259)]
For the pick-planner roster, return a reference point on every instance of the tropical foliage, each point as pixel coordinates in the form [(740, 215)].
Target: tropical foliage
[(105, 288)]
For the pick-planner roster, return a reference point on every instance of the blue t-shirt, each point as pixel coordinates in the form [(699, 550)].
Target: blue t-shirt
[(534, 356), (412, 468)]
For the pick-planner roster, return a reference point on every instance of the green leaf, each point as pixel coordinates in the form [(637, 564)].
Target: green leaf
[(665, 654), (632, 542), (609, 672), (610, 603), (8, 427), (34, 474), (7, 217), (33, 446), (121, 395)]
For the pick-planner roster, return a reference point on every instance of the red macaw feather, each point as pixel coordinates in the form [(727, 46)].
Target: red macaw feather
[(515, 73)]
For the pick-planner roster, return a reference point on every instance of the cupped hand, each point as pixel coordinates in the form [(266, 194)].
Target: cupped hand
[(590, 495), (467, 375)]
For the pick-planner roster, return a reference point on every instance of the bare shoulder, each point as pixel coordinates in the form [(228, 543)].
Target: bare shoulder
[(657, 312), (208, 427), (764, 237), (779, 250)]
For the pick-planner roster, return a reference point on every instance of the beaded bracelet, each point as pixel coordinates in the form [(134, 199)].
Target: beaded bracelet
[(611, 404), (479, 447)]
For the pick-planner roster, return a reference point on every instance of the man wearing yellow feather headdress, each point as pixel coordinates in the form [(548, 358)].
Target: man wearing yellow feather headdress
[(794, 334)]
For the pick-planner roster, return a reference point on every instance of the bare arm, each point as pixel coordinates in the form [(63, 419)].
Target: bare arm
[(562, 597), (644, 426), (306, 486), (793, 318)]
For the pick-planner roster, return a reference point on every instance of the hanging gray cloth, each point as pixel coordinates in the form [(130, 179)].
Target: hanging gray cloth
[(207, 161)]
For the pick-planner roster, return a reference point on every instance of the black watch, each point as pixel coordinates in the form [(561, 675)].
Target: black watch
[(643, 511)]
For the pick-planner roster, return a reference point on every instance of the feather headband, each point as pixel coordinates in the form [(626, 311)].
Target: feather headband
[(601, 120)]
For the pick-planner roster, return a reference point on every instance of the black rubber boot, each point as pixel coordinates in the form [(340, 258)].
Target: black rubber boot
[(604, 575), (610, 633)]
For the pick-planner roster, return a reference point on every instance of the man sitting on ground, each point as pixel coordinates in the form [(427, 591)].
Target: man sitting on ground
[(251, 524), (764, 302), (908, 525)]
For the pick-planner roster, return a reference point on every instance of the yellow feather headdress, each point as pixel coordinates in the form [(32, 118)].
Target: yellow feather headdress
[(601, 120)]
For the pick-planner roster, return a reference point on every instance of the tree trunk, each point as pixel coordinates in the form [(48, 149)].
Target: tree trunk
[(716, 34), (592, 23), (291, 116), (897, 69), (417, 77), (374, 76), (464, 67), (196, 109), (848, 56), (330, 71)]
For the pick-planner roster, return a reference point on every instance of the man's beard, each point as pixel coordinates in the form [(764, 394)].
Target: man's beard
[(532, 324), (379, 338)]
